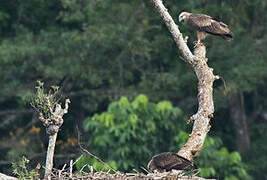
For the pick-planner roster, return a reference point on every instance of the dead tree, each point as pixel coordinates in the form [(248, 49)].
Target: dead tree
[(51, 115), (204, 73)]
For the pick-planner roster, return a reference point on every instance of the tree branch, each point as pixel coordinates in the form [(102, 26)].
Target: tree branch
[(205, 76), (174, 30), (3, 176)]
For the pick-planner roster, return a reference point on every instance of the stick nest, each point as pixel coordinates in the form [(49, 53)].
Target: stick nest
[(173, 175)]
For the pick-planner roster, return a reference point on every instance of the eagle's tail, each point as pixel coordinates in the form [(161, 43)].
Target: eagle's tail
[(228, 36)]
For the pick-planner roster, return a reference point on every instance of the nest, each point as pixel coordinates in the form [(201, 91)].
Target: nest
[(67, 174)]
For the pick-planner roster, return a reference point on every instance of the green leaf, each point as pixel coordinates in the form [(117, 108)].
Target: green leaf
[(140, 102), (164, 106), (133, 118)]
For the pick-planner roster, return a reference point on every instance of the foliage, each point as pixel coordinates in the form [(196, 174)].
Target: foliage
[(44, 102), (21, 170), (133, 131), (84, 161), (216, 161)]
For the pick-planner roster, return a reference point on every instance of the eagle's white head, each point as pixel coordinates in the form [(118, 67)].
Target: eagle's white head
[(184, 16)]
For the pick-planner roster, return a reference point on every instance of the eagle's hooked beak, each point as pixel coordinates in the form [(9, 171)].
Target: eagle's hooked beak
[(181, 17)]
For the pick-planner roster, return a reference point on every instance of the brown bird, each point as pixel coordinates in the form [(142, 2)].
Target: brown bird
[(206, 24), (167, 161)]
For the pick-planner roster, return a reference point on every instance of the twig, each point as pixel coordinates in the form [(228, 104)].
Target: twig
[(145, 169), (60, 171), (83, 168), (91, 168), (90, 154), (71, 164)]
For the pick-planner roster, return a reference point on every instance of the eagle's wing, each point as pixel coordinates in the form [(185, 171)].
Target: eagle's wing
[(216, 28), (208, 24), (164, 160), (182, 163), (169, 161), (199, 20)]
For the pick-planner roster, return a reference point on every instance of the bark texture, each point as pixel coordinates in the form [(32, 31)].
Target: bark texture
[(205, 76), (239, 118), (6, 177), (52, 125), (50, 155)]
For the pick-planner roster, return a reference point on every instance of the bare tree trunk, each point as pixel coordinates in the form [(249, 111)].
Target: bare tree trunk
[(52, 127), (205, 76), (50, 155), (239, 118)]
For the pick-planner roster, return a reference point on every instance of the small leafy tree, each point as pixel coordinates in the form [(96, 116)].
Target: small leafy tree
[(21, 170), (216, 161), (51, 115), (133, 131)]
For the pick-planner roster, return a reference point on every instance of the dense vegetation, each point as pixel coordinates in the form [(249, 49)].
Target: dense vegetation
[(104, 54)]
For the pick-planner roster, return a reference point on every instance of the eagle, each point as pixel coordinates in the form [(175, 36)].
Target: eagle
[(206, 24), (167, 161)]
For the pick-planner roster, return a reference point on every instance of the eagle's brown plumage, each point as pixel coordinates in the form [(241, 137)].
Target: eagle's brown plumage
[(206, 24), (167, 161)]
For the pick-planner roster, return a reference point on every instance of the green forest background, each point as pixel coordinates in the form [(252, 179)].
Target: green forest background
[(131, 92)]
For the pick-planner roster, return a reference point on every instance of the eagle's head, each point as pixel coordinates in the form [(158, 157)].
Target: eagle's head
[(184, 16)]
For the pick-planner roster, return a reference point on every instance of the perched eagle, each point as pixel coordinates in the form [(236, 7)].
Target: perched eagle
[(206, 24), (167, 161)]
